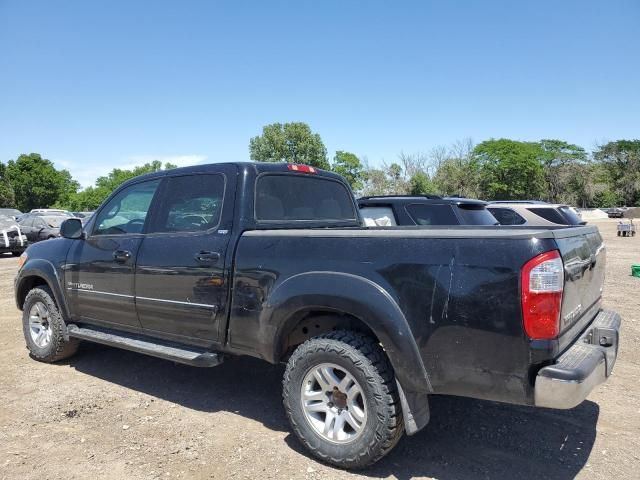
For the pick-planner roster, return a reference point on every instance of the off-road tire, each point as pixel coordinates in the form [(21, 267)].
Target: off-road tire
[(58, 348), (366, 361)]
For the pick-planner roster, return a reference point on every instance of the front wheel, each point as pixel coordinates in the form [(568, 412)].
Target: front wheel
[(43, 327), (341, 398)]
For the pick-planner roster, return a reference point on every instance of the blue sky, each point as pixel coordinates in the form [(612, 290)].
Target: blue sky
[(93, 85)]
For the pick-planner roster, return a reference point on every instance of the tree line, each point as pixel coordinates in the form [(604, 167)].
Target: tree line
[(32, 181), (495, 169)]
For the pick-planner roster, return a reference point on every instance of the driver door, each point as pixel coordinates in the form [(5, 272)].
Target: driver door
[(100, 275)]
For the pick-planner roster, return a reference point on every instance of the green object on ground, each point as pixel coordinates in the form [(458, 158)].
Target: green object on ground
[(635, 270)]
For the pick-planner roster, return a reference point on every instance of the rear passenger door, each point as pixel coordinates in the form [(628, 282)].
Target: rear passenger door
[(181, 280)]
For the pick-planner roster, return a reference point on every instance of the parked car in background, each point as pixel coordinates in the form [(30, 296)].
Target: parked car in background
[(387, 211), (41, 227), (11, 238), (52, 211), (10, 212), (615, 213), (534, 213)]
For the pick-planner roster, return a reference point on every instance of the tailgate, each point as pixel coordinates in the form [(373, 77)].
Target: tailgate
[(583, 255)]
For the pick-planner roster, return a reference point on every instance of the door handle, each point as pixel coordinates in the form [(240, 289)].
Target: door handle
[(207, 257), (121, 255)]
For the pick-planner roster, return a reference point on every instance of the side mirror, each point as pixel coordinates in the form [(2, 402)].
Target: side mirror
[(71, 228)]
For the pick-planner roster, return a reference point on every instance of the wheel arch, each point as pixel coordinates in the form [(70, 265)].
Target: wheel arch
[(356, 303), (35, 273)]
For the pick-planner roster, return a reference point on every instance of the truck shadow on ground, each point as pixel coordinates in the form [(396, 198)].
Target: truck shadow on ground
[(466, 438)]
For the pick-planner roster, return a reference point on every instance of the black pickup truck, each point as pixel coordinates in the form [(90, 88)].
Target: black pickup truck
[(272, 261)]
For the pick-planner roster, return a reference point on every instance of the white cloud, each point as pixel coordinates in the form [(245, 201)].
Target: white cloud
[(87, 174)]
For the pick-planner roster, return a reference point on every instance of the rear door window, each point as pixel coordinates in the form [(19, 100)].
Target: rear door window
[(506, 216), (423, 214), (295, 197), (190, 203)]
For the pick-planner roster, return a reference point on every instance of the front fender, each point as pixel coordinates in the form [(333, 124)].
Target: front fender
[(363, 299), (41, 269)]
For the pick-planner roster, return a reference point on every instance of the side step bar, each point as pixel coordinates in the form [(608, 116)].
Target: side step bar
[(147, 346)]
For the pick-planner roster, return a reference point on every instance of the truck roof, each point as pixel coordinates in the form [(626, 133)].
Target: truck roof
[(246, 166)]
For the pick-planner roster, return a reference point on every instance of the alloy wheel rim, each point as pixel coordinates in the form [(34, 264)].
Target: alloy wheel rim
[(39, 326), (333, 403)]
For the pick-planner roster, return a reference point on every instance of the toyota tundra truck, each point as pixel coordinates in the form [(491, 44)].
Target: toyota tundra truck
[(272, 260)]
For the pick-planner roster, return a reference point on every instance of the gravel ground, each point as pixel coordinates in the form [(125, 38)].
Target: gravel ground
[(108, 413)]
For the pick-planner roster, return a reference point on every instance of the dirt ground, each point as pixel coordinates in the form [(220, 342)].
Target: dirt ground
[(108, 413)]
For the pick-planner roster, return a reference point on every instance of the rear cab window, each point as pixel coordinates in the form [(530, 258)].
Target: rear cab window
[(283, 198)]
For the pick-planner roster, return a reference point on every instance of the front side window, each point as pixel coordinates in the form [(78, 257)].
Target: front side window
[(506, 216), (127, 211), (295, 197), (423, 214), (190, 203)]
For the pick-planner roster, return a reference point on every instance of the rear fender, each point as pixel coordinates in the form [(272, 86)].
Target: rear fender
[(367, 301)]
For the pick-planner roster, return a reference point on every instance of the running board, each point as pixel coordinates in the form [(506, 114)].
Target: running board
[(147, 346)]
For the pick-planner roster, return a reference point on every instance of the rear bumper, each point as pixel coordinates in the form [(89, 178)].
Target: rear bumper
[(586, 364)]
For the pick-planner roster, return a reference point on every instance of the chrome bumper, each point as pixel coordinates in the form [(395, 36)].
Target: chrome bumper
[(587, 363)]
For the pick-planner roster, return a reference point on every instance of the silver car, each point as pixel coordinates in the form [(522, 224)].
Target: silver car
[(534, 213)]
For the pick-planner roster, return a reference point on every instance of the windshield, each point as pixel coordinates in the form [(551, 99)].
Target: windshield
[(6, 222), (10, 212), (476, 215), (54, 221)]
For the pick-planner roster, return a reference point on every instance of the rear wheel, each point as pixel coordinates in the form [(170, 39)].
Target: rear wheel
[(341, 398), (43, 327)]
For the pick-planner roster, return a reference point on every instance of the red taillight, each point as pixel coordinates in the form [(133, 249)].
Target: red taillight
[(542, 284), (301, 168)]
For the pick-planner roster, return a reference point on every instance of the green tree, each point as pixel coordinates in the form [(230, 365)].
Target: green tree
[(420, 184), (349, 166), (457, 176), (90, 198), (290, 142), (622, 162), (509, 169), (7, 195), (36, 182), (561, 161)]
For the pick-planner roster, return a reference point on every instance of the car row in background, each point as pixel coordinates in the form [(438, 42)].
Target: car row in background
[(18, 229), (392, 210), (38, 226), (534, 213)]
